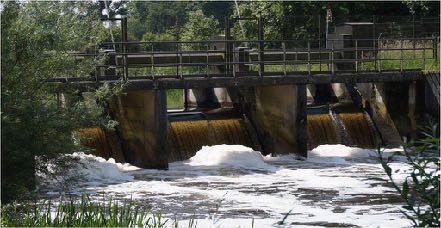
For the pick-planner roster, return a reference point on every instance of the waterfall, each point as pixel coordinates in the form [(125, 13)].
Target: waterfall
[(103, 143), (358, 128), (94, 138), (351, 128), (187, 137), (321, 130)]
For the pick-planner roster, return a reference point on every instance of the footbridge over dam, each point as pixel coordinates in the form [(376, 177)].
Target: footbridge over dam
[(276, 96)]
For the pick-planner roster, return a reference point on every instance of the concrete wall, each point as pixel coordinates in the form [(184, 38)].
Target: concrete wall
[(280, 119), (392, 108), (142, 127), (400, 102)]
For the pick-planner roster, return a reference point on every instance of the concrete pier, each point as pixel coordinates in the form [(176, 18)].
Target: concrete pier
[(142, 127), (280, 119)]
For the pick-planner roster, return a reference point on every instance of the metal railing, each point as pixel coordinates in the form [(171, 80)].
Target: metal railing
[(261, 58)]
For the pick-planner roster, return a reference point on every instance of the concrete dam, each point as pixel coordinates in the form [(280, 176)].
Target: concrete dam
[(272, 96)]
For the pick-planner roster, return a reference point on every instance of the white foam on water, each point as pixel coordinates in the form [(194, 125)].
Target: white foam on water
[(343, 154), (100, 169), (92, 170), (229, 185), (236, 156)]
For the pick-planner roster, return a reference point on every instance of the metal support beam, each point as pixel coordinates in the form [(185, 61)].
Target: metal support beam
[(124, 39), (228, 57), (261, 46)]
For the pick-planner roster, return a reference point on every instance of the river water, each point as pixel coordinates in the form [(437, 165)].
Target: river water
[(234, 186)]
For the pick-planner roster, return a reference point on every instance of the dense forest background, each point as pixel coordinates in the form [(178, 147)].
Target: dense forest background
[(283, 20), (36, 38)]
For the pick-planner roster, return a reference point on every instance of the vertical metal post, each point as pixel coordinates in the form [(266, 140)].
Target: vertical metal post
[(435, 48), (356, 55), (180, 63), (401, 54), (332, 56), (227, 45), (413, 36), (261, 47), (207, 66), (320, 58), (295, 59), (177, 59), (319, 28), (379, 55), (374, 51), (424, 55), (309, 58), (124, 39), (152, 61), (235, 66), (319, 43), (284, 58)]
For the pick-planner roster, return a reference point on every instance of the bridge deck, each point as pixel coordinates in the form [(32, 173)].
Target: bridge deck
[(235, 65), (273, 78)]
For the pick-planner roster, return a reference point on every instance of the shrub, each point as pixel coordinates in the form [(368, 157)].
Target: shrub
[(420, 190)]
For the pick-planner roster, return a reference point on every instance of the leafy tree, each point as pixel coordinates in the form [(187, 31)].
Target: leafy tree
[(158, 17), (199, 27), (36, 40), (292, 20)]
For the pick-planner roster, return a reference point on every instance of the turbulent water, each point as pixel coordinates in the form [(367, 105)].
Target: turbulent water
[(234, 186)]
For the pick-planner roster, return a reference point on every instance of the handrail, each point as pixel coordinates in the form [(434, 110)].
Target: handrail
[(340, 55), (249, 41)]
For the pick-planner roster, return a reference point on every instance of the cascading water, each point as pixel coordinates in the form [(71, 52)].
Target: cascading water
[(347, 127), (358, 129), (321, 130), (103, 142), (94, 137), (187, 137)]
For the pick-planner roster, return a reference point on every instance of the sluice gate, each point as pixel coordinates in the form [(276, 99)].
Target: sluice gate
[(266, 94)]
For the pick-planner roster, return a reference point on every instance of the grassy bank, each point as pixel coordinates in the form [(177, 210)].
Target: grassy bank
[(80, 213)]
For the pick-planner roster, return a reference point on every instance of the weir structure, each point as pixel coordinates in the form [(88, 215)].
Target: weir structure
[(276, 96)]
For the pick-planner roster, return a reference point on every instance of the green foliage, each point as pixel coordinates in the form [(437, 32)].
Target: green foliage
[(175, 99), (85, 213), (36, 40), (158, 17), (148, 36), (300, 20), (420, 190), (199, 27)]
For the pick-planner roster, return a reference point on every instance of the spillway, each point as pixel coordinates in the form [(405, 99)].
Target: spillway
[(359, 129), (94, 137), (188, 136), (188, 133), (104, 143), (321, 130), (347, 125)]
